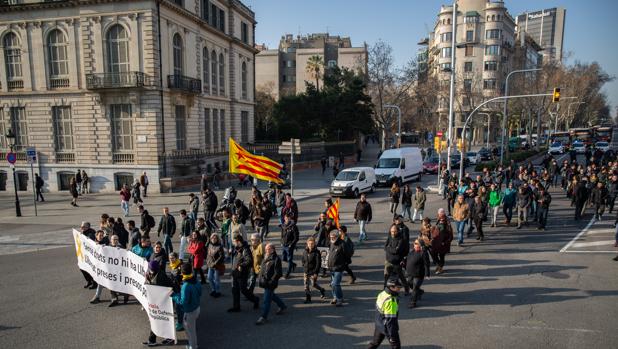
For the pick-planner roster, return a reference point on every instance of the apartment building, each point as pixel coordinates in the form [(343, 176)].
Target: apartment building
[(120, 87), (546, 27)]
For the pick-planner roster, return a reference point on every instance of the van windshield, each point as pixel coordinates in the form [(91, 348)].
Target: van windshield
[(347, 176), (388, 163)]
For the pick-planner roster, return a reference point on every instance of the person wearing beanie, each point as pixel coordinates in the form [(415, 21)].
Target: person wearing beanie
[(189, 300), (158, 277)]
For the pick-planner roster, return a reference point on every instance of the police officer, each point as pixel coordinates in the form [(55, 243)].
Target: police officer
[(387, 311)]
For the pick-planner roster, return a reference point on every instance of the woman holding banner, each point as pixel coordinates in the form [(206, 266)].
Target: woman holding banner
[(189, 300)]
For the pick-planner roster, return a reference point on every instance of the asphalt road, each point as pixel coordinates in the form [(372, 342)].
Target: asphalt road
[(514, 290)]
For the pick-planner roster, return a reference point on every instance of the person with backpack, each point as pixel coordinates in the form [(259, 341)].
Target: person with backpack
[(187, 226), (189, 300), (349, 249), (147, 221), (39, 183)]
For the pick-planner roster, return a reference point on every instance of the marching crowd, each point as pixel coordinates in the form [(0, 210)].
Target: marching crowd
[(229, 236)]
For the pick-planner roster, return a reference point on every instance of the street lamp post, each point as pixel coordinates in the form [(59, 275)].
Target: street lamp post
[(10, 136), (506, 94), (449, 139), (398, 122)]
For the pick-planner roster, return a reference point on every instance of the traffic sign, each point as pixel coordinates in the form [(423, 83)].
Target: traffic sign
[(31, 154), (11, 158), (429, 136), (439, 134), (286, 147)]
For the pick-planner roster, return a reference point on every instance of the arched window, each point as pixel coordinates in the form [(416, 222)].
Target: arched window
[(448, 21), (12, 57), (206, 69), (493, 17), (221, 74), (57, 55), (243, 78), (117, 50), (178, 54), (213, 72)]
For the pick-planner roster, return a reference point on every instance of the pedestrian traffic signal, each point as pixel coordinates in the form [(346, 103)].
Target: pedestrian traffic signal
[(556, 96)]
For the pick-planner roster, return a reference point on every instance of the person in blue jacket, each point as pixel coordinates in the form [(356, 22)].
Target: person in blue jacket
[(189, 300), (509, 198), (144, 249)]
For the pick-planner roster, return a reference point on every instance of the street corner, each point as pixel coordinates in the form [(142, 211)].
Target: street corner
[(599, 236)]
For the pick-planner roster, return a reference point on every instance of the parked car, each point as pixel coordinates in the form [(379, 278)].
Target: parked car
[(456, 160), (431, 165), (399, 165), (353, 182), (602, 146), (579, 147), (556, 148), (473, 157), (485, 154)]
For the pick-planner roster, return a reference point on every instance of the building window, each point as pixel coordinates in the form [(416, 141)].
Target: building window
[(244, 126), (492, 50), (213, 15), (290, 63), (446, 52), (207, 128), (213, 72), (244, 32), (19, 126), (63, 128), (206, 70), (178, 54), (493, 34), (471, 19), (469, 51), (12, 57), (446, 37), (222, 126), (122, 127), (205, 10), (117, 50), (243, 77), (445, 67), (468, 67), (469, 35), (489, 84), (215, 128), (491, 65), (58, 59), (221, 75), (331, 63), (221, 20), (178, 2), (467, 83), (181, 128)]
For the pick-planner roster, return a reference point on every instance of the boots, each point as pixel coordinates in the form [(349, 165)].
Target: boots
[(322, 294), (307, 298)]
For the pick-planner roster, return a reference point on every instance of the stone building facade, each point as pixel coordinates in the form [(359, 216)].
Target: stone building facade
[(120, 87)]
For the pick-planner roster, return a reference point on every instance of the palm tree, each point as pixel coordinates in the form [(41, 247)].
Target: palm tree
[(314, 68)]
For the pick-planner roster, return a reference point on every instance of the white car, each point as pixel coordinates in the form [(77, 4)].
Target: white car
[(556, 148), (580, 148), (353, 182), (602, 146), (473, 157)]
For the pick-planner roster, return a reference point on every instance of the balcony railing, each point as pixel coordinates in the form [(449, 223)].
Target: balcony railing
[(58, 83), (65, 158), (184, 83), (122, 158), (15, 84), (98, 81)]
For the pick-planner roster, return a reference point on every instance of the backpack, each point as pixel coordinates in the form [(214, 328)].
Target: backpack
[(150, 221)]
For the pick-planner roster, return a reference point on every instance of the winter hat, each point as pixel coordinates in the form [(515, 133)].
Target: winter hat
[(153, 266)]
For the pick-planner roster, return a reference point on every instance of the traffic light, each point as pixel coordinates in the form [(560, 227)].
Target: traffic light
[(556, 96)]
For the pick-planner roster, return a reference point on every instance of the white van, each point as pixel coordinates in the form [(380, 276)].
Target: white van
[(353, 182), (399, 165)]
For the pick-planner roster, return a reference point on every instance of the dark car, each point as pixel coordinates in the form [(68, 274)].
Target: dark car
[(485, 154), (456, 160), (431, 165)]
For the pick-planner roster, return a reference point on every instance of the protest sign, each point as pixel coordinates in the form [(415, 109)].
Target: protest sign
[(324, 254), (122, 271)]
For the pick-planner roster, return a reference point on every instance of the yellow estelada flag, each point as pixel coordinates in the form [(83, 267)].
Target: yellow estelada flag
[(333, 212), (260, 167)]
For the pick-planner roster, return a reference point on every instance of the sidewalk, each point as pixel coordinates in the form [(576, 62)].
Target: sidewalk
[(51, 228)]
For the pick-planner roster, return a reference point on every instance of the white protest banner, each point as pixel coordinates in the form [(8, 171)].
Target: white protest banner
[(122, 271)]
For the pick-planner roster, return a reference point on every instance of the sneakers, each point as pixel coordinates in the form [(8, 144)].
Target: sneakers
[(179, 327), (113, 303), (95, 300), (353, 280), (260, 321), (280, 311), (167, 341), (339, 304), (322, 295), (334, 301), (150, 344)]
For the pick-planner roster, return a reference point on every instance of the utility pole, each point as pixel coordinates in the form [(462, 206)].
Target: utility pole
[(449, 139)]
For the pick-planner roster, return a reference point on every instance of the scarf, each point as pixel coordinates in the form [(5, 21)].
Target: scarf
[(187, 277), (175, 264)]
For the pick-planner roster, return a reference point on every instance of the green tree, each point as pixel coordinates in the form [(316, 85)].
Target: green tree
[(315, 67)]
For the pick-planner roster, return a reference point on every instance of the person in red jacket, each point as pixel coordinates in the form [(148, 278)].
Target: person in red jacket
[(196, 249), (125, 196)]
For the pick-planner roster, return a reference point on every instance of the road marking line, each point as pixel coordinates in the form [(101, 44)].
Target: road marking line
[(546, 328), (599, 252), (567, 246), (594, 243)]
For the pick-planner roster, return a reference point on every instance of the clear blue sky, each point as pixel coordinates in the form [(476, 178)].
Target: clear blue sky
[(591, 32)]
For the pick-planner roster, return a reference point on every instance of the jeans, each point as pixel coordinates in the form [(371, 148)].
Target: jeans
[(508, 212), (494, 216), (125, 207), (542, 214), (167, 243), (183, 247), (190, 326), (522, 215), (335, 284), (406, 209), (288, 255), (97, 293), (193, 216), (251, 280), (209, 217), (270, 296), (420, 213), (213, 280), (362, 235), (417, 282), (461, 226)]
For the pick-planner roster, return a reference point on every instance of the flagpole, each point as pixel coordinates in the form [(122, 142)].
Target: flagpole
[(292, 168)]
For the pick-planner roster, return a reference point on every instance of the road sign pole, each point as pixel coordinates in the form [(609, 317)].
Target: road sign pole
[(33, 187), (292, 168)]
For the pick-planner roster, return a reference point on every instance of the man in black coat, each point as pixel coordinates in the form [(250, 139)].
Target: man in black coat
[(241, 267), (89, 233), (268, 279), (363, 216), (289, 238), (147, 221), (167, 226), (312, 262), (395, 251), (157, 276), (417, 268), (337, 261), (39, 183), (580, 196), (599, 198), (209, 203)]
